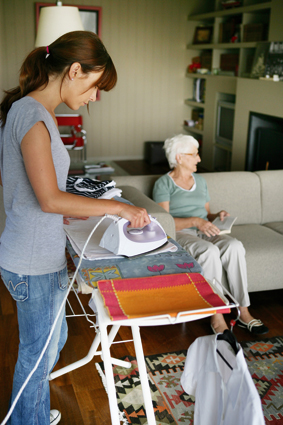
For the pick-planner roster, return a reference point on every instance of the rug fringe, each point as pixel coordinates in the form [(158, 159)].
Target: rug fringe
[(122, 416), (102, 376)]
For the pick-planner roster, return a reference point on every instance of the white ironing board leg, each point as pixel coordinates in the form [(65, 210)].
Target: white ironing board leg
[(111, 391), (143, 376), (112, 334), (92, 352)]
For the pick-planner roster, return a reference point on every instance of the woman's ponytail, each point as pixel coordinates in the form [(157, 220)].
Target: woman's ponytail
[(34, 71), (83, 47), (33, 74)]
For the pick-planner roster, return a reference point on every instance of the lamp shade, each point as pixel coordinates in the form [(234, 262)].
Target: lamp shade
[(55, 21)]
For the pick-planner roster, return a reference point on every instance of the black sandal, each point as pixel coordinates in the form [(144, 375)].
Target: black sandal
[(255, 326)]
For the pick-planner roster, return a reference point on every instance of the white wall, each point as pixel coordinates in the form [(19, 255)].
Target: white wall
[(147, 41)]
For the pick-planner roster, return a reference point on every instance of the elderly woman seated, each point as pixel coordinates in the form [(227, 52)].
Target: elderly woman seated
[(184, 195)]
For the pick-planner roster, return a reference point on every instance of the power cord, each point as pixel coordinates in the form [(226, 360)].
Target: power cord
[(113, 217)]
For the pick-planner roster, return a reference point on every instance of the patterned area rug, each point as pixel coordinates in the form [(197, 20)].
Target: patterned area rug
[(173, 406)]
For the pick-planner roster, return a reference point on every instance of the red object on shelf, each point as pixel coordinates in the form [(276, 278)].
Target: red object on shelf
[(75, 139), (227, 4)]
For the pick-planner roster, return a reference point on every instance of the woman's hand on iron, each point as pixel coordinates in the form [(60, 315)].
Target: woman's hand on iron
[(206, 227), (138, 217)]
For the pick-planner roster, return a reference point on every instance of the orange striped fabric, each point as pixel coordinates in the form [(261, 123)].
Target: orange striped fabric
[(157, 295)]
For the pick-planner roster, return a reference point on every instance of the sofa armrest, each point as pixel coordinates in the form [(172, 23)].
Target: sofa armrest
[(139, 199), (271, 195), (143, 183)]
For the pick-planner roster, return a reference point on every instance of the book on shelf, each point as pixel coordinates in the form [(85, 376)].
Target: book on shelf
[(199, 90), (224, 225)]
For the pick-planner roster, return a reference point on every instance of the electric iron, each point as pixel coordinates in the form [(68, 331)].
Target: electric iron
[(123, 240)]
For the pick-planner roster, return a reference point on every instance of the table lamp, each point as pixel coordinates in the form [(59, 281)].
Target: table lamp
[(55, 21)]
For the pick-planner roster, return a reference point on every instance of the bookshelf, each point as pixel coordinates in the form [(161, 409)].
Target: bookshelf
[(259, 17), (249, 23)]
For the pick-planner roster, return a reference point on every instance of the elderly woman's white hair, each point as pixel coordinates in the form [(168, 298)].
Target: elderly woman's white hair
[(179, 144)]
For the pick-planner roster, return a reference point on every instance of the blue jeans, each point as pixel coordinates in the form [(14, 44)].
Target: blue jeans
[(38, 301)]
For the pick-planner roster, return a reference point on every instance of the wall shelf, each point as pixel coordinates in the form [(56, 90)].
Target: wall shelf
[(191, 102), (233, 11), (235, 58), (193, 130), (247, 45), (196, 75)]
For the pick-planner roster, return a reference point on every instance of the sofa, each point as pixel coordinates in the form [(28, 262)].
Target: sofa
[(255, 198)]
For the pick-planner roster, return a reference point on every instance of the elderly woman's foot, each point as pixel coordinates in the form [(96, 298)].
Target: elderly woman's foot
[(218, 324), (246, 321), (254, 326)]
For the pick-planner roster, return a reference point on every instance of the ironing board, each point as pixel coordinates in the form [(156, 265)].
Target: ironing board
[(180, 258), (91, 271)]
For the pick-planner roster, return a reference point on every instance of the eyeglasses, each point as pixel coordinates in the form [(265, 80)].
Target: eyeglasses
[(194, 155)]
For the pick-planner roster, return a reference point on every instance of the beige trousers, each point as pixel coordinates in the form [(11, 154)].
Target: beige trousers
[(215, 254)]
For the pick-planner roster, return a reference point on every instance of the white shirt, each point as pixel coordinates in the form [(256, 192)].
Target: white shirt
[(222, 396)]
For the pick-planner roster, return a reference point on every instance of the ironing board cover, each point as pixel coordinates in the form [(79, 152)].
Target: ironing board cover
[(151, 296), (166, 263)]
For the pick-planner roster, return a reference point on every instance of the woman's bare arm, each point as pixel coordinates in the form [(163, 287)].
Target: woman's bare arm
[(36, 151), (221, 214), (181, 223)]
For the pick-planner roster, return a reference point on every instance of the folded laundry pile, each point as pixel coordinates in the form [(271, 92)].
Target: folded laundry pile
[(92, 188)]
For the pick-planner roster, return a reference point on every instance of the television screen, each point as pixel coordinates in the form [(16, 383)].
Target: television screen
[(225, 123), (265, 143)]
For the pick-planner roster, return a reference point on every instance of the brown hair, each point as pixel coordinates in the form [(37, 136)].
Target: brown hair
[(84, 47)]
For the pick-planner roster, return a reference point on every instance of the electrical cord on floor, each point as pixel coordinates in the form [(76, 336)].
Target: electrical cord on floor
[(113, 217)]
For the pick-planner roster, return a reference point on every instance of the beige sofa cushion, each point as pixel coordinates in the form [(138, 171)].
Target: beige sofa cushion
[(264, 256), (237, 192), (277, 226), (271, 195), (143, 183)]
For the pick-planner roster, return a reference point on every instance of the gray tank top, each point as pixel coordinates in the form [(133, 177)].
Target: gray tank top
[(33, 242)]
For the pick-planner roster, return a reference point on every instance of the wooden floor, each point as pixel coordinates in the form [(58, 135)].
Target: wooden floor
[(80, 395)]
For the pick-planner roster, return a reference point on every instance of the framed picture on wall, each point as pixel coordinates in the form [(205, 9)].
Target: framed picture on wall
[(203, 35), (91, 16)]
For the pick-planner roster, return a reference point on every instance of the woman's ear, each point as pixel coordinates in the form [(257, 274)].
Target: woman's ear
[(178, 158), (74, 70)]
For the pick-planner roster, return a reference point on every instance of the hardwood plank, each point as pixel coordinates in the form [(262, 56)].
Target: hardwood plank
[(64, 399)]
